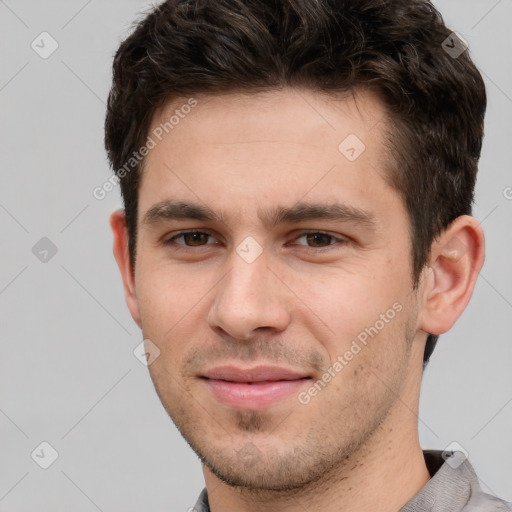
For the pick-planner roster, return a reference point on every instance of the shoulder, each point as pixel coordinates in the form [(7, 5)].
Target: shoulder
[(457, 470), (482, 502), (453, 486)]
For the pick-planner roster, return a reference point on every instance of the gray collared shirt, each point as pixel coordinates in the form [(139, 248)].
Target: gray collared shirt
[(453, 487)]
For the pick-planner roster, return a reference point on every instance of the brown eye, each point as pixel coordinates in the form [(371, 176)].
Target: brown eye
[(192, 239), (320, 240), (195, 239)]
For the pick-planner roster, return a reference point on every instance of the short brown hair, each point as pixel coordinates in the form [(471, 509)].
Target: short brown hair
[(435, 99)]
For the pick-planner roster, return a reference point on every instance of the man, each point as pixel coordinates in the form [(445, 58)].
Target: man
[(297, 180)]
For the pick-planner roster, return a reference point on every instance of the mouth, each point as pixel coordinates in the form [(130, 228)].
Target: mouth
[(253, 388)]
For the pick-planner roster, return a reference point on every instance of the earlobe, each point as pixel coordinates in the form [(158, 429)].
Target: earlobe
[(122, 256), (456, 259)]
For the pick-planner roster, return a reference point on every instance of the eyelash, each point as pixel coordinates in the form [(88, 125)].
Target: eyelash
[(184, 247)]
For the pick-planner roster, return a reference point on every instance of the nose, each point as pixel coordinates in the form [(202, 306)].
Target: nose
[(250, 296)]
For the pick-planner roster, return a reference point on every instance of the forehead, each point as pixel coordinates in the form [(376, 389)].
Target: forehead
[(251, 149), (294, 112)]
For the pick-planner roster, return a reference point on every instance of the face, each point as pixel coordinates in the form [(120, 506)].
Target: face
[(273, 274)]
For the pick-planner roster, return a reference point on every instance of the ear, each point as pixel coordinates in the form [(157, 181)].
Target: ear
[(456, 259), (122, 256)]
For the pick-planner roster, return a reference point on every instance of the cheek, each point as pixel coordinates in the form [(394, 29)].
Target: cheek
[(168, 294), (369, 365), (174, 306), (347, 305)]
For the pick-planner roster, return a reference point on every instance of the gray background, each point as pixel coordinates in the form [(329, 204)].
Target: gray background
[(67, 369)]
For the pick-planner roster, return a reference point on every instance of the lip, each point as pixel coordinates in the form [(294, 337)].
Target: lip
[(253, 388), (255, 374)]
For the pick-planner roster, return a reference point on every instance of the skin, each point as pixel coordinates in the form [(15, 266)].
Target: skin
[(299, 305)]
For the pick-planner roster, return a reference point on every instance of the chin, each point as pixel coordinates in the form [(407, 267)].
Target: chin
[(262, 467)]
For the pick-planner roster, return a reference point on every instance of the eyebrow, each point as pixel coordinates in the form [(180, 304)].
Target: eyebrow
[(303, 211)]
